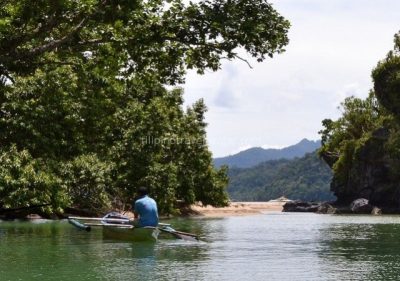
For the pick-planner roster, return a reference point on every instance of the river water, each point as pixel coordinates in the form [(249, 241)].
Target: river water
[(270, 246)]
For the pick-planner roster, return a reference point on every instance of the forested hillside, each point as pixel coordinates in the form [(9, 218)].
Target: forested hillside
[(307, 178), (257, 155)]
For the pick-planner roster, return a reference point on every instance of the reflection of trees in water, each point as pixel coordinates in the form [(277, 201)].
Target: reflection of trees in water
[(168, 259), (43, 251), (164, 260), (361, 251), (58, 251)]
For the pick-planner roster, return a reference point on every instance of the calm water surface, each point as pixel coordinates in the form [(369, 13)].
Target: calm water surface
[(271, 246)]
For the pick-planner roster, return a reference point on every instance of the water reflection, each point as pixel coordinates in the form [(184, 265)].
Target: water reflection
[(361, 251), (149, 261), (265, 247), (57, 251)]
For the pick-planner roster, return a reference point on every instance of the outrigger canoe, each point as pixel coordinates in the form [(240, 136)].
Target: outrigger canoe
[(118, 227), (124, 230), (137, 234)]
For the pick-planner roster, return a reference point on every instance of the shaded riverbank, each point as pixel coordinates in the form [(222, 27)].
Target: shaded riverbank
[(234, 209)]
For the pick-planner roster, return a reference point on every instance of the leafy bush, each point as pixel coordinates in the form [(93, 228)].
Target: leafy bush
[(27, 182), (88, 182)]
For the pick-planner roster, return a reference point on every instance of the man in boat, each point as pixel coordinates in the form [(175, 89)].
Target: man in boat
[(145, 209)]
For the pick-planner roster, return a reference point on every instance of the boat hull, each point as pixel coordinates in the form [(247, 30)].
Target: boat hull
[(149, 234)]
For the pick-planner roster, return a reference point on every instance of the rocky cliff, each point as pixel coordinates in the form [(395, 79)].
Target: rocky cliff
[(363, 146), (371, 174)]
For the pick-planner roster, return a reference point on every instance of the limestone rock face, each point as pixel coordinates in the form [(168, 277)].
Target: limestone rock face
[(372, 174)]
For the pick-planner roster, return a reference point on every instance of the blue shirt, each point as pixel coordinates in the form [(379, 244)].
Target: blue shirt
[(146, 207)]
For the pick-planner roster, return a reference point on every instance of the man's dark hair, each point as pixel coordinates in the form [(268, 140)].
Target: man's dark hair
[(142, 191)]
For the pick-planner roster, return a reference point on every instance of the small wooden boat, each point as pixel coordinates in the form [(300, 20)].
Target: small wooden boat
[(138, 234), (118, 227)]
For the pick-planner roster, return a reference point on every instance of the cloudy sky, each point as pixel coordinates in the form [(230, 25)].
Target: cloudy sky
[(333, 47)]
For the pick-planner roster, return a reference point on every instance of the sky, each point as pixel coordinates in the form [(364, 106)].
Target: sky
[(333, 47)]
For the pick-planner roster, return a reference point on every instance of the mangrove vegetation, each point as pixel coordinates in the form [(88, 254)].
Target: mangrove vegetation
[(87, 111)]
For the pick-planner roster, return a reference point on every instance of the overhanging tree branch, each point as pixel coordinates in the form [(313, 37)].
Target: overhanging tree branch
[(55, 43)]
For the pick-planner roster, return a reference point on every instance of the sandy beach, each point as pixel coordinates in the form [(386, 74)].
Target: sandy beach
[(237, 209), (234, 209)]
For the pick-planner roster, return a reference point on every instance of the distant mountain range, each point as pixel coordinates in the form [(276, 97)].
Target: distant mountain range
[(256, 155)]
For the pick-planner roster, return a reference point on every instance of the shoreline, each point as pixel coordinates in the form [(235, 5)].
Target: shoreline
[(236, 209), (198, 210)]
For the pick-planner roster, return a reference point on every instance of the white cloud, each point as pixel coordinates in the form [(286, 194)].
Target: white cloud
[(333, 47), (349, 90), (228, 91)]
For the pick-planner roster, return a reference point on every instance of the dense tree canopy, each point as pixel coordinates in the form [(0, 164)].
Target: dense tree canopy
[(161, 37), (387, 79), (85, 116), (101, 139)]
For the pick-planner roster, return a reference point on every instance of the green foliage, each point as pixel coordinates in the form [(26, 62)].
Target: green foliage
[(26, 182), (387, 79), (162, 178), (343, 140), (41, 113), (159, 145), (88, 182), (108, 141), (82, 94), (362, 145), (342, 167), (161, 38), (358, 118), (305, 178)]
